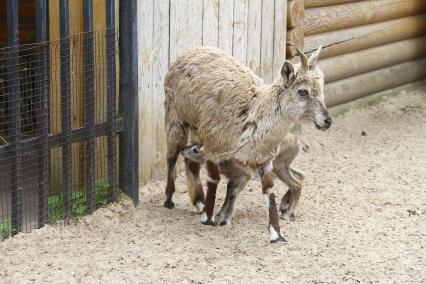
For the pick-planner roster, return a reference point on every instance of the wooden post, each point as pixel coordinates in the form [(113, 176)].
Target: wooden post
[(111, 98), (129, 141), (15, 114), (66, 106), (89, 71), (42, 97)]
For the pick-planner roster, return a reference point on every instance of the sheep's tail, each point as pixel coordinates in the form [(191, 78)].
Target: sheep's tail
[(305, 145)]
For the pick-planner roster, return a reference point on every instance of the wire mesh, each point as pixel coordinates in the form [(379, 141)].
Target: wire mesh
[(57, 130)]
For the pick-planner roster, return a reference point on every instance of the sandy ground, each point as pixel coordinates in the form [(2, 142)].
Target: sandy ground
[(362, 219)]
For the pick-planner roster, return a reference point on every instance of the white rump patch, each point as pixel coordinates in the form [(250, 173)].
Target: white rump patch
[(200, 206)]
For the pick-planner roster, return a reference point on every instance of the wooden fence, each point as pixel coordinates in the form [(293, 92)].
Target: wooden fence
[(251, 30)]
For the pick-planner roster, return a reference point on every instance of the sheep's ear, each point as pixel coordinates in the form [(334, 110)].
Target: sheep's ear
[(313, 59), (287, 73)]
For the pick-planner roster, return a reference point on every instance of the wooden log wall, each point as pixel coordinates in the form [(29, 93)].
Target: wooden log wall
[(253, 31), (368, 46)]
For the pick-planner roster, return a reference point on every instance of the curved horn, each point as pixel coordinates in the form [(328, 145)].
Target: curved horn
[(303, 59), (314, 58)]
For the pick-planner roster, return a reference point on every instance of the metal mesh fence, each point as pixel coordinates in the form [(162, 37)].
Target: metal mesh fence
[(58, 128)]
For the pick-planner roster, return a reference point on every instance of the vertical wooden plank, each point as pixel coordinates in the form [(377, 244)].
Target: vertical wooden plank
[(239, 48), (178, 25), (194, 25), (55, 94), (254, 28), (89, 104), (160, 68), (65, 106), (128, 105), (267, 40), (42, 97), (111, 97), (226, 25), (100, 81), (77, 88), (147, 118), (210, 22), (186, 26), (280, 33), (15, 113)]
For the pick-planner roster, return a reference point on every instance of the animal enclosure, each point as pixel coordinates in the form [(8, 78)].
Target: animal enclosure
[(368, 46), (59, 113)]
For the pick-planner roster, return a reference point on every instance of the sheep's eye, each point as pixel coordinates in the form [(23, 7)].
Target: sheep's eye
[(303, 92), (196, 151)]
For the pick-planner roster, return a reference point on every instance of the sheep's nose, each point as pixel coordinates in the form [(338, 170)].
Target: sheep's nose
[(328, 122)]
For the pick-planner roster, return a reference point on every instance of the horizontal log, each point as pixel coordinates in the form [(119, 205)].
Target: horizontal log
[(294, 39), (358, 38), (320, 3), (331, 18), (345, 90), (295, 13), (347, 65)]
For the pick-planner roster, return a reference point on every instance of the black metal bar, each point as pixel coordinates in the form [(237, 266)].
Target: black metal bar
[(30, 145), (15, 114), (65, 105), (111, 100), (128, 101), (42, 96), (89, 103)]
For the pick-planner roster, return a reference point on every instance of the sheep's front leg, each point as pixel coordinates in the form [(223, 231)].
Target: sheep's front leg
[(213, 178), (266, 176)]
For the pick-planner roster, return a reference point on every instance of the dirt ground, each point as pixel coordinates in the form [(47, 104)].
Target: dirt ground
[(362, 218)]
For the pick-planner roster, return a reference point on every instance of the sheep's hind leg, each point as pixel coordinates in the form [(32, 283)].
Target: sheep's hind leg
[(177, 137), (213, 178), (266, 175)]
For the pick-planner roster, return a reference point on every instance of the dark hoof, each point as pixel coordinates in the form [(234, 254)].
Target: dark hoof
[(169, 204), (208, 222), (223, 223)]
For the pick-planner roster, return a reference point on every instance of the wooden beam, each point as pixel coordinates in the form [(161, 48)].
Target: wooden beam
[(295, 13), (350, 40), (320, 3), (347, 65), (294, 39), (129, 142), (345, 90), (331, 18)]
